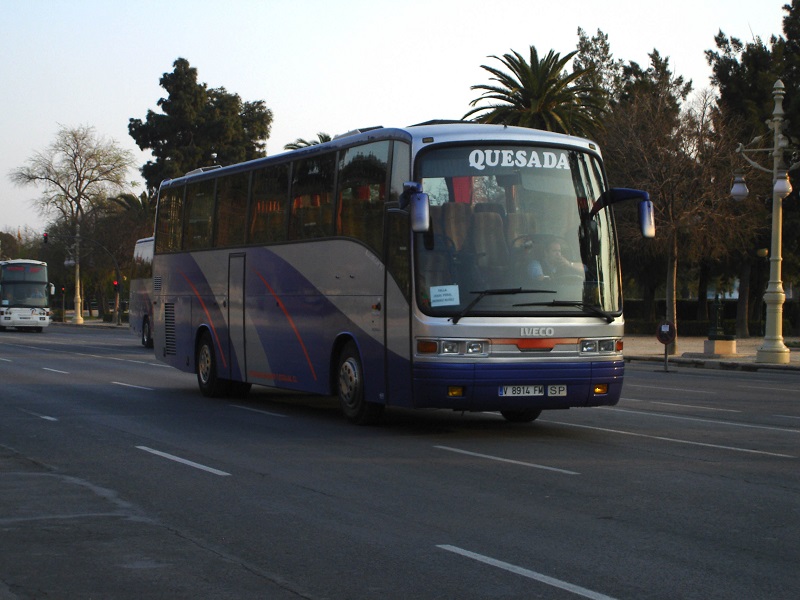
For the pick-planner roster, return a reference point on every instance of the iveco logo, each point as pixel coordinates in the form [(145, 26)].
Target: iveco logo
[(536, 331)]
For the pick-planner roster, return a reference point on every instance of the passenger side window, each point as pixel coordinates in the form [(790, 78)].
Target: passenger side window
[(268, 221), (199, 221), (170, 215), (312, 197), (232, 209), (363, 174)]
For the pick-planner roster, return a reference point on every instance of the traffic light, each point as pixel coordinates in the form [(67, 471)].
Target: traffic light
[(116, 285), (44, 236)]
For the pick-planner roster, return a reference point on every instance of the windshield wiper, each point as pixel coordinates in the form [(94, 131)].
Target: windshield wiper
[(495, 292), (591, 308)]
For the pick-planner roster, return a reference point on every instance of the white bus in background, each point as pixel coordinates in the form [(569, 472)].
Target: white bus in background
[(141, 301), (24, 294)]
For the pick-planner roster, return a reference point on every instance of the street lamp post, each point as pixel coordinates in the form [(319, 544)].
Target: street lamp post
[(773, 350), (78, 318)]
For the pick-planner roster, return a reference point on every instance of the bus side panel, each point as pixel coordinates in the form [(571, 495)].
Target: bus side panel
[(186, 304), (567, 384), (297, 308)]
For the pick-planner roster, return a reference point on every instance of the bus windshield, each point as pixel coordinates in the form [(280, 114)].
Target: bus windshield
[(24, 285), (512, 234)]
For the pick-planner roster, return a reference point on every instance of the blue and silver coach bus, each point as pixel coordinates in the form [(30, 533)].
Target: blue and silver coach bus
[(444, 265)]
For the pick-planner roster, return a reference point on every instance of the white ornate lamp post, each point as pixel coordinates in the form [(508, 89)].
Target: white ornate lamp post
[(773, 350), (78, 318)]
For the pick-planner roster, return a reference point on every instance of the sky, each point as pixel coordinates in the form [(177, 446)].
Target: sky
[(319, 65)]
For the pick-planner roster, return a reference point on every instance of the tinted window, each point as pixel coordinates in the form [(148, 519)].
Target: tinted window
[(362, 191), (199, 219), (268, 208), (168, 227), (232, 209), (312, 197)]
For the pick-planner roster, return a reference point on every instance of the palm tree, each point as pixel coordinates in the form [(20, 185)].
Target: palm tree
[(301, 143), (539, 94)]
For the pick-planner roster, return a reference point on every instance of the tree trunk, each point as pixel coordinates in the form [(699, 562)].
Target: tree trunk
[(672, 284), (702, 291)]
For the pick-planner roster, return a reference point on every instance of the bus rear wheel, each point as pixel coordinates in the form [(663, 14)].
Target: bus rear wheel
[(206, 368), (147, 334), (521, 416), (351, 389)]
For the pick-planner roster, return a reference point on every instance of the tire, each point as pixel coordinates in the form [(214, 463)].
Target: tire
[(351, 389), (521, 416), (210, 384), (147, 334)]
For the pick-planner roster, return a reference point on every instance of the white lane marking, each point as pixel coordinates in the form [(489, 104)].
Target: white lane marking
[(673, 440), (672, 389), (56, 371), (679, 405), (551, 581), (5, 359), (507, 460), (256, 410), (762, 388), (33, 414), (130, 385), (103, 356), (184, 461), (699, 420), (786, 416)]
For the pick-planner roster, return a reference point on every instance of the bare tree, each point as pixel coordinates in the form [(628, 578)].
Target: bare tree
[(77, 173)]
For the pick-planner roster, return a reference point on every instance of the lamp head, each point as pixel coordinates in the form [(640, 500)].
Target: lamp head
[(739, 189), (782, 187)]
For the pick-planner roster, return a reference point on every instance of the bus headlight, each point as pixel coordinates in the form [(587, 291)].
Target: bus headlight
[(453, 347), (475, 348), (449, 347), (601, 346)]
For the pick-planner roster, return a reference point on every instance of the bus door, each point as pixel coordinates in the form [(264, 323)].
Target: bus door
[(397, 310), (236, 338)]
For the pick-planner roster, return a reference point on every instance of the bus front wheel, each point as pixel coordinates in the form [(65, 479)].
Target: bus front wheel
[(206, 368), (351, 389)]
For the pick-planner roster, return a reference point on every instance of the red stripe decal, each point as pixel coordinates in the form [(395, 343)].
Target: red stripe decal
[(208, 317), (291, 323)]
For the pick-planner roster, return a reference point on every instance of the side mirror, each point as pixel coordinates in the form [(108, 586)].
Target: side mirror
[(52, 289), (646, 211), (419, 206), (647, 222)]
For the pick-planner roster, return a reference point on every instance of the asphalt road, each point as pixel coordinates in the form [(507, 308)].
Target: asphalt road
[(118, 480)]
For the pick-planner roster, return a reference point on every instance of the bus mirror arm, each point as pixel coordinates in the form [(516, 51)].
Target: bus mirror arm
[(419, 206), (646, 212)]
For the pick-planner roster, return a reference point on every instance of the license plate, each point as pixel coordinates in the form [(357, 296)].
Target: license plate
[(521, 390), (557, 390)]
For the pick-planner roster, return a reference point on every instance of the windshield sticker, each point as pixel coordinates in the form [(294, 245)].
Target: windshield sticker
[(444, 295), (531, 159)]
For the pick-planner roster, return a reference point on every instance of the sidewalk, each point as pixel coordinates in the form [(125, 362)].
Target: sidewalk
[(691, 353)]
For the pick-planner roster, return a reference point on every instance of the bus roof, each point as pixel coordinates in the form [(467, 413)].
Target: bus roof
[(419, 136), (23, 261)]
